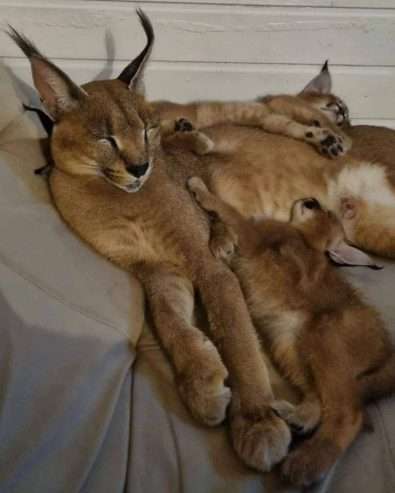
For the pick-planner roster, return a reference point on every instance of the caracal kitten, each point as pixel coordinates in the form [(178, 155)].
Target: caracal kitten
[(328, 343)]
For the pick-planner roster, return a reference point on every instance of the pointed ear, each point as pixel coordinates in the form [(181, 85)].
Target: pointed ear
[(345, 254), (132, 74), (57, 91), (321, 84)]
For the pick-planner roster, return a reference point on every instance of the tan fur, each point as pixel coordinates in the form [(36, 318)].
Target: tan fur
[(377, 145), (262, 175), (283, 115), (324, 339)]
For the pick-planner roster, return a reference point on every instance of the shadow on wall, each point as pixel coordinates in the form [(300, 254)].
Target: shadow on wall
[(107, 71)]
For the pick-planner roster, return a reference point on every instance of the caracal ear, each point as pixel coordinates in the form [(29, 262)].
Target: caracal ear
[(132, 75), (321, 84), (345, 254), (57, 91)]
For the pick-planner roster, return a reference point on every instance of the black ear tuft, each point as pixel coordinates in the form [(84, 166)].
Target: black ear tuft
[(325, 67), (28, 48), (135, 67), (147, 26)]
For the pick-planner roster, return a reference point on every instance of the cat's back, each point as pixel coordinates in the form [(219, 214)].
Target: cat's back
[(271, 286), (283, 273), (264, 173), (372, 143), (271, 272)]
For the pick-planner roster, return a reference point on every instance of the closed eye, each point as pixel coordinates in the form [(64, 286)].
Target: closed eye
[(330, 107), (312, 204), (110, 141), (148, 131)]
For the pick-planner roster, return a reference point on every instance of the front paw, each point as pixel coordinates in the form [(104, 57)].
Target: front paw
[(196, 185), (223, 241), (328, 143), (301, 418), (183, 125), (200, 192), (260, 439), (203, 144), (203, 390)]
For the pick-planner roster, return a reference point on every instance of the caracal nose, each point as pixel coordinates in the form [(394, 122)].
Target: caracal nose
[(137, 170)]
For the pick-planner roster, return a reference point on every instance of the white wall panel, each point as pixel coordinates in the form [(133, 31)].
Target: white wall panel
[(364, 89), (202, 33), (372, 4), (225, 49)]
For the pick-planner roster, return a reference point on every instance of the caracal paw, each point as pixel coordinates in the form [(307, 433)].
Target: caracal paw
[(183, 125), (261, 439), (328, 142), (223, 241), (301, 418), (196, 185), (204, 392), (203, 144), (201, 193)]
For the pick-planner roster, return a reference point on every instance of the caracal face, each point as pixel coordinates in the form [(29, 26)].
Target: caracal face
[(113, 133), (318, 93), (323, 231), (103, 128)]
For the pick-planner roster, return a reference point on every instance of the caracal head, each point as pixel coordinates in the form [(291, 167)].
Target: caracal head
[(103, 128), (323, 231), (318, 93)]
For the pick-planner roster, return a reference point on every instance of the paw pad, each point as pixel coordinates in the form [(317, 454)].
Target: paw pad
[(183, 125), (331, 144)]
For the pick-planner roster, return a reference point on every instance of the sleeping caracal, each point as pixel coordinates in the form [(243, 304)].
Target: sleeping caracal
[(324, 339)]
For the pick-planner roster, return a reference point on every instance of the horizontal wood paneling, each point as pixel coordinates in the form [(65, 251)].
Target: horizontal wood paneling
[(208, 33), (287, 3), (277, 3), (369, 92), (371, 4), (221, 49), (377, 123)]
